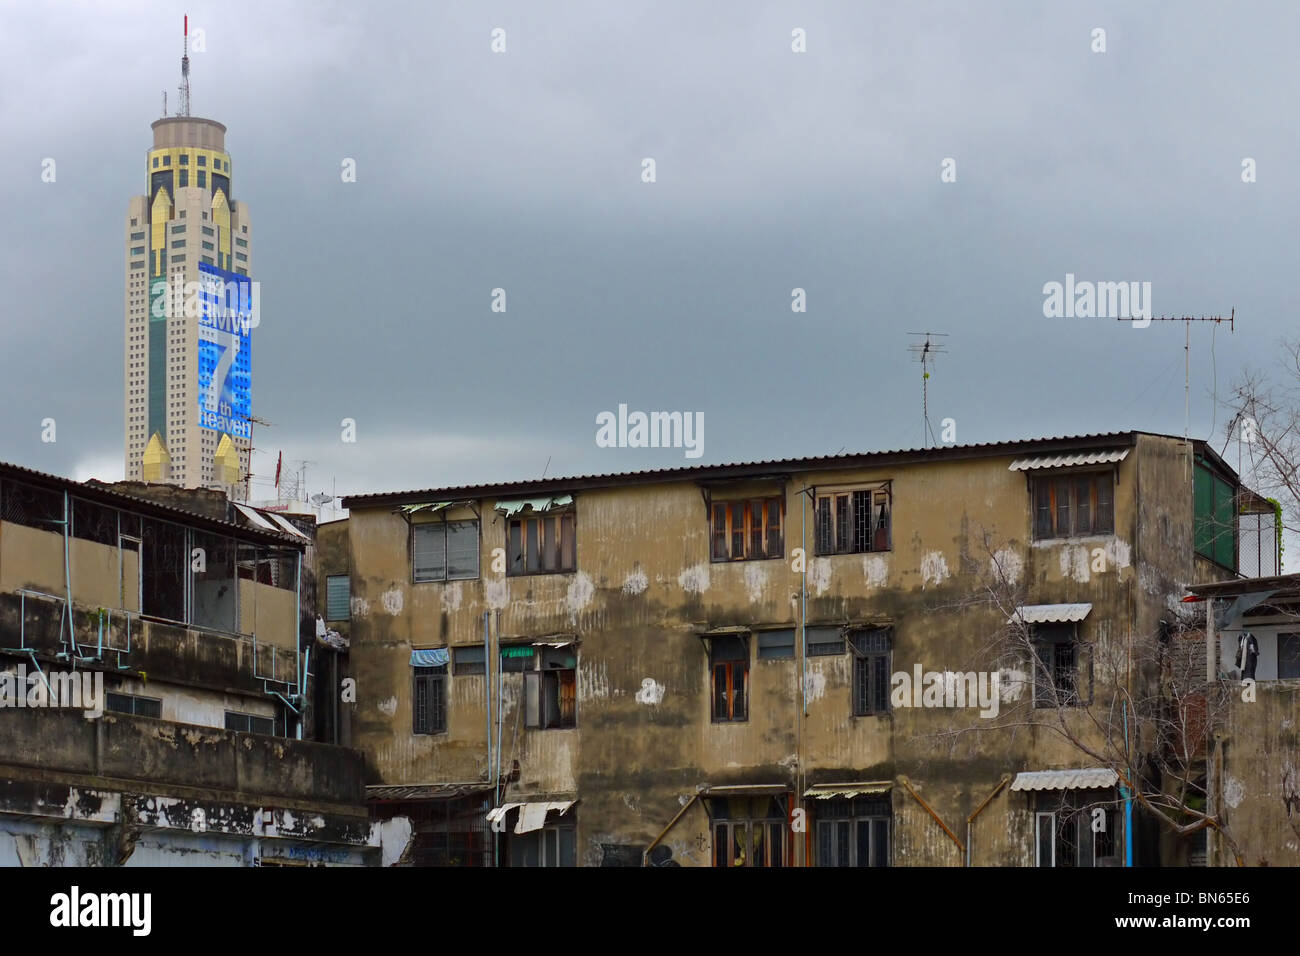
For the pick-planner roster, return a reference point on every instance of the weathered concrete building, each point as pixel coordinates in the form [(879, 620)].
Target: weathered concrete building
[(715, 665), (1253, 754), (153, 682)]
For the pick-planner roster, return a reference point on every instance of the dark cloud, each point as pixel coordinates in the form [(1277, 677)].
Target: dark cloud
[(775, 170)]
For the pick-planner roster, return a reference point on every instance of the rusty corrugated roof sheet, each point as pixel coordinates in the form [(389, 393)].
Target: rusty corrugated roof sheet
[(104, 495), (1066, 443)]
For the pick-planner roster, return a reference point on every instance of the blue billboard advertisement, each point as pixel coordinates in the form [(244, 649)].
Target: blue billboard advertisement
[(226, 320)]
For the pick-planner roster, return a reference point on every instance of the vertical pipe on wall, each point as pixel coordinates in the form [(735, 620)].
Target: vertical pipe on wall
[(67, 572)]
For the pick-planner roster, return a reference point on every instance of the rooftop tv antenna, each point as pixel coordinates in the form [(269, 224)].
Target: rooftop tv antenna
[(185, 75), (925, 352), (1187, 321)]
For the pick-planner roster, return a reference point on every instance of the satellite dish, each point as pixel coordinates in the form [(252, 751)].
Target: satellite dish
[(321, 498)]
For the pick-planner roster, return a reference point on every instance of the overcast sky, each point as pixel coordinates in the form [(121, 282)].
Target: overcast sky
[(775, 170)]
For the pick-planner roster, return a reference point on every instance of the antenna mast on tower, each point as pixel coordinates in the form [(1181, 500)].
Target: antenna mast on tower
[(925, 353), (184, 109)]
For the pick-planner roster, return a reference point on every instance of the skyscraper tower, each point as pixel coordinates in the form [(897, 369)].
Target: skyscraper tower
[(190, 309)]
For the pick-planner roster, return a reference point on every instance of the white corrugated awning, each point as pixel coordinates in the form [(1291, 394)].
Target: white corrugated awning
[(829, 791), (532, 816), (430, 506), (1068, 461), (255, 516), (1065, 779), (1050, 613), (287, 525)]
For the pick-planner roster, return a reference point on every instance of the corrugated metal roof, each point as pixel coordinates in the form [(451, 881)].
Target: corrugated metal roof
[(748, 469), (1067, 461), (532, 816), (1065, 779), (1050, 613), (745, 790), (102, 493), (829, 791), (429, 791)]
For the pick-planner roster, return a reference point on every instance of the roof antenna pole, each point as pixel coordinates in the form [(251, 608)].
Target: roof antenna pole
[(185, 74), (925, 353)]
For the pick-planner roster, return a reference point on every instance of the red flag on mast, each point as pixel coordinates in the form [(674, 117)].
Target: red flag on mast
[(277, 469)]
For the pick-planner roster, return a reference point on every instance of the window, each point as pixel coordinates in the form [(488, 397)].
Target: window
[(429, 700), (185, 176), (469, 660), (542, 545), (853, 832), (155, 166), (1288, 656), (243, 243), (203, 160), (749, 832), (1074, 505), (185, 159), (137, 250), (209, 246), (203, 177), (208, 231), (136, 236), (854, 521), (1214, 507), (444, 550), (552, 845), (1059, 681), (551, 691), (824, 641), (729, 663), (776, 645), (517, 659), (747, 530), (1070, 832), (178, 243), (338, 597), (131, 704), (167, 160), (870, 671), (249, 723), (179, 229)]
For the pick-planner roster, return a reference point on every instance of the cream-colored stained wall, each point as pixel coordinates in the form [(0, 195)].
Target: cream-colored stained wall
[(31, 558), (645, 586), (190, 706), (269, 613), (96, 577)]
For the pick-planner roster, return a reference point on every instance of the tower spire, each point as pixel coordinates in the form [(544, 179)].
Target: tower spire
[(184, 109)]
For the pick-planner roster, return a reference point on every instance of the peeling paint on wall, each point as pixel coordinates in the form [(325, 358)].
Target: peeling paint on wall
[(360, 607), (1234, 791), (815, 685), (876, 570), (1011, 562), (388, 706), (1119, 554), (635, 583), (755, 581), (1074, 563), (451, 597), (498, 593), (651, 692), (393, 601), (581, 590), (694, 580), (819, 575), (934, 569), (593, 680)]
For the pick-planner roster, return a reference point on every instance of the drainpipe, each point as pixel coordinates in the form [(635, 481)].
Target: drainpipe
[(300, 665), (1127, 793), (1006, 778), (803, 682), (487, 702), (1211, 642), (67, 573)]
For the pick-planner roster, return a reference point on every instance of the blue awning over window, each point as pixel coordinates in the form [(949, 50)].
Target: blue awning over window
[(432, 657)]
